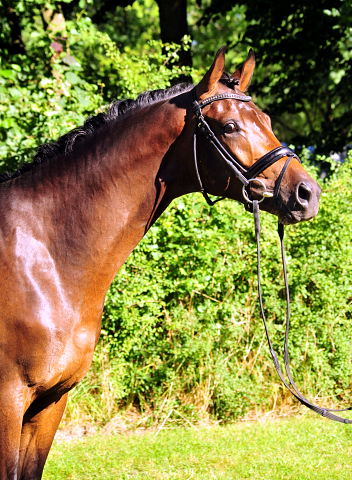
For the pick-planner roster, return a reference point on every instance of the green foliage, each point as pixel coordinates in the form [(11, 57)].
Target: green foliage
[(182, 324), (68, 72), (207, 38), (304, 56), (303, 52), (37, 104), (148, 70)]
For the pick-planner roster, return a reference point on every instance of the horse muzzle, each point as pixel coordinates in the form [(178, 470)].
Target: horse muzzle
[(300, 203)]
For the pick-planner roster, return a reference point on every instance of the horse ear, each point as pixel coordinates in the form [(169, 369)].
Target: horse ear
[(245, 72), (208, 83)]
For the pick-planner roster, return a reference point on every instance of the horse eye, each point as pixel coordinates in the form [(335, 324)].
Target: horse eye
[(230, 128)]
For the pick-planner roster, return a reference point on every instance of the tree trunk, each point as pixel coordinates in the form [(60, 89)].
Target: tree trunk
[(173, 26), (16, 45)]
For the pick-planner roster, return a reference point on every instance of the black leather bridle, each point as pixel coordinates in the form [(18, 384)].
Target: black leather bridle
[(246, 176)]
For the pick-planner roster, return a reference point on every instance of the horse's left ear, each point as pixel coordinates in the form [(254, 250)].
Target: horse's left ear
[(208, 83), (245, 72)]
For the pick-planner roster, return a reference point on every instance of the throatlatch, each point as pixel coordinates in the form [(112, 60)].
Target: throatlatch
[(246, 176)]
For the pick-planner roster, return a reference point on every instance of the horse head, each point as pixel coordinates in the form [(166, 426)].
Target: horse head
[(244, 148)]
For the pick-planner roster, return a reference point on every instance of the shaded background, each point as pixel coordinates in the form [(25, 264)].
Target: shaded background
[(303, 51)]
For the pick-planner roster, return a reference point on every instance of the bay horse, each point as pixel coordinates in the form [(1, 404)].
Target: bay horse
[(69, 221)]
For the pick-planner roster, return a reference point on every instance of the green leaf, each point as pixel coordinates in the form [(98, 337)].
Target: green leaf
[(8, 122), (7, 73), (73, 78)]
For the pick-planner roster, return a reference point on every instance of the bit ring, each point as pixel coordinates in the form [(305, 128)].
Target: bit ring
[(265, 193)]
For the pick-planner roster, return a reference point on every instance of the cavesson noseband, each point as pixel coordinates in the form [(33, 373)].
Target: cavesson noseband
[(246, 176)]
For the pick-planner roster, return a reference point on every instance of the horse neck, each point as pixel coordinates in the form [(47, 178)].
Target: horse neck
[(111, 189)]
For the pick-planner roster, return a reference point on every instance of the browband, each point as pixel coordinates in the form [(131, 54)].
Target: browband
[(222, 96)]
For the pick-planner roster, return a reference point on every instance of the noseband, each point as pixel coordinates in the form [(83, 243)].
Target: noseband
[(246, 176)]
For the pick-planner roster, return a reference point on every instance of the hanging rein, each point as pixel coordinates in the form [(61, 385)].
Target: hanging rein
[(246, 176)]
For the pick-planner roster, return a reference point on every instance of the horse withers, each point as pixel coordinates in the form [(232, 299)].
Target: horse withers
[(69, 221)]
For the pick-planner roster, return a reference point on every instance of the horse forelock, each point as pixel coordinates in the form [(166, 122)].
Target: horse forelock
[(227, 80)]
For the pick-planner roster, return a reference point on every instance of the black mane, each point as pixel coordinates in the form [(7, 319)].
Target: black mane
[(65, 143)]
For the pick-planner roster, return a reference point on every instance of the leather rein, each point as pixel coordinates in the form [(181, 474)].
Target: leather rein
[(246, 176)]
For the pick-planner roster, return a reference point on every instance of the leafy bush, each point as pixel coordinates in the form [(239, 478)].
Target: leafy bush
[(182, 324), (70, 70)]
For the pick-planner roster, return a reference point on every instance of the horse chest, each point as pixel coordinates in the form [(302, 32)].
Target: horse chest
[(44, 357)]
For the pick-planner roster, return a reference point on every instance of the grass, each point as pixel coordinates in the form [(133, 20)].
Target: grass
[(295, 448)]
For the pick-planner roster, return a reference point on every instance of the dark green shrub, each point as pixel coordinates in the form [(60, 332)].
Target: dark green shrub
[(183, 311)]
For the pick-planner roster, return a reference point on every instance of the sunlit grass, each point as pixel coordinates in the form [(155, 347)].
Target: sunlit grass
[(306, 448)]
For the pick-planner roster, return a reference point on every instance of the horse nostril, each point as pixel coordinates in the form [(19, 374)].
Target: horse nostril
[(304, 193)]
